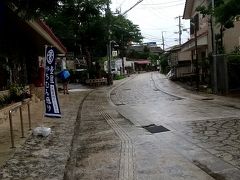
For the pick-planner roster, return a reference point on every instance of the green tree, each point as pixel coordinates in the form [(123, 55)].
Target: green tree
[(83, 26), (30, 9), (154, 58), (226, 12), (124, 32), (80, 25), (164, 63)]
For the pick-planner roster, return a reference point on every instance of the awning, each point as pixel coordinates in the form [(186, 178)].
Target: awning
[(142, 62)]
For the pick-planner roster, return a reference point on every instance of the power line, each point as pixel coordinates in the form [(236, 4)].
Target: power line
[(169, 2), (132, 7), (161, 6)]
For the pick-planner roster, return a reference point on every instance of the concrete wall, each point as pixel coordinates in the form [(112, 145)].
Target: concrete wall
[(184, 56), (232, 37)]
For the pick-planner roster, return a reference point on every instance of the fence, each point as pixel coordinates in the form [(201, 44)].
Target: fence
[(228, 73), (21, 120)]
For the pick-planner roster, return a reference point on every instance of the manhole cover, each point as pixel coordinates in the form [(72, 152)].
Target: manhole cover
[(152, 128)]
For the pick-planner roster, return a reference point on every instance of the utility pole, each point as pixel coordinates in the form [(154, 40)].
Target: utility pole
[(109, 77), (123, 66), (215, 83), (163, 43), (179, 29)]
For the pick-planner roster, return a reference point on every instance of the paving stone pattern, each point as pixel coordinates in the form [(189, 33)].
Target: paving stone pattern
[(45, 158), (96, 147), (220, 137)]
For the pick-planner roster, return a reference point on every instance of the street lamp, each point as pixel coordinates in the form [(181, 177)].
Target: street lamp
[(109, 49), (109, 76)]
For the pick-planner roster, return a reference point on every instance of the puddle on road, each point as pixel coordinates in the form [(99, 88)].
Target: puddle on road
[(79, 90)]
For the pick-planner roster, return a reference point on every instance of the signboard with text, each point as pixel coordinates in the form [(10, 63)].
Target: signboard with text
[(52, 108)]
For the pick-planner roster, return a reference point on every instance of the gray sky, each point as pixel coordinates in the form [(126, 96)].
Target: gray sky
[(156, 17)]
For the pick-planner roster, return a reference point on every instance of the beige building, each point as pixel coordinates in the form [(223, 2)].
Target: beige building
[(201, 43), (200, 39), (231, 38)]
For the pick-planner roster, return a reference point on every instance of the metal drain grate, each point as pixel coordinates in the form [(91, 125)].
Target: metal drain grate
[(120, 104), (152, 128), (207, 99)]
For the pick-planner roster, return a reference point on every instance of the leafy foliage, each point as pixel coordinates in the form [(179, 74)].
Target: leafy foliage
[(138, 55), (84, 28), (225, 11), (30, 9), (4, 100), (236, 50), (118, 77), (16, 93), (164, 63)]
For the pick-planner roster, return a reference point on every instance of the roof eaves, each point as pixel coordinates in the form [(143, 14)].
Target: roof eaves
[(44, 30), (188, 9), (40, 27)]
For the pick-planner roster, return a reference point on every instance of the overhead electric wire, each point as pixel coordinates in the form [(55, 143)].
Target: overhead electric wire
[(153, 7), (161, 7)]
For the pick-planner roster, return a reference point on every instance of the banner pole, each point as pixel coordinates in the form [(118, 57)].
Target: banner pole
[(43, 105)]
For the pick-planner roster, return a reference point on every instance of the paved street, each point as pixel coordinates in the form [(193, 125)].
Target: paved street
[(203, 129), (102, 136)]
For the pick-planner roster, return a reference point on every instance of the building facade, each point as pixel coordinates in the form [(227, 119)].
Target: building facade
[(22, 48)]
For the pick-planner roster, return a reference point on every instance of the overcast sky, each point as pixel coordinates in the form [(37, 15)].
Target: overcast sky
[(156, 17)]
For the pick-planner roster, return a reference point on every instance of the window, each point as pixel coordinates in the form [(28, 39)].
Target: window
[(194, 22)]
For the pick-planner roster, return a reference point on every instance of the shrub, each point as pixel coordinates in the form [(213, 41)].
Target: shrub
[(4, 100), (15, 92), (18, 93), (118, 77)]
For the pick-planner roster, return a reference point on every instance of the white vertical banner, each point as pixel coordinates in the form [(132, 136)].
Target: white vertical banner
[(52, 108)]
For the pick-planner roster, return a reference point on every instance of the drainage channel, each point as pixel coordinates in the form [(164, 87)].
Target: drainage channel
[(158, 89)]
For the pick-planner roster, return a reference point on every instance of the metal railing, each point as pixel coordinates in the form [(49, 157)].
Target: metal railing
[(21, 120)]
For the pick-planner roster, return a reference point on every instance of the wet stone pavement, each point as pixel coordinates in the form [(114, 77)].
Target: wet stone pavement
[(221, 137), (204, 129), (96, 147), (101, 136), (46, 157)]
